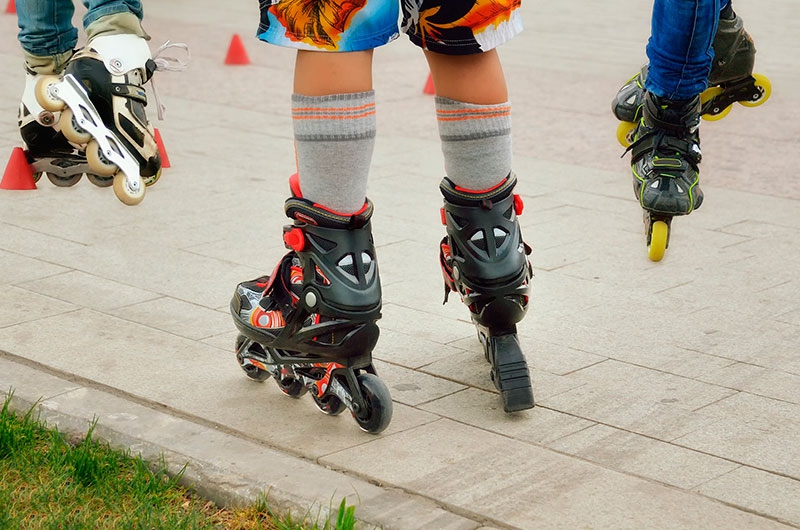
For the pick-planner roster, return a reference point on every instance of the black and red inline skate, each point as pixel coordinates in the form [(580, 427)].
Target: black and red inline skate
[(312, 323), (485, 260)]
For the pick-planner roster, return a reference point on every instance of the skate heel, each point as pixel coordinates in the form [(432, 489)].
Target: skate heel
[(485, 260), (510, 373)]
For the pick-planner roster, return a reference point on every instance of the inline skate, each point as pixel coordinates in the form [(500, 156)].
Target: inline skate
[(485, 260), (665, 158), (731, 80), (311, 324), (98, 106)]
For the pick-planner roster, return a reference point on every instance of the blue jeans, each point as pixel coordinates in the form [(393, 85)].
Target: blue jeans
[(45, 26), (680, 47)]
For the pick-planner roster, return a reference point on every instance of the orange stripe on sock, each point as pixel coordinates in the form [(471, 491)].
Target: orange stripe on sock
[(328, 117)]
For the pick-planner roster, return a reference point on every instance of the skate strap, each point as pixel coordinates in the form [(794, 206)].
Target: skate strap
[(659, 141), (167, 64)]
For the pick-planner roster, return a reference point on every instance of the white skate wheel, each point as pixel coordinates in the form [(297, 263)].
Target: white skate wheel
[(45, 96), (130, 195)]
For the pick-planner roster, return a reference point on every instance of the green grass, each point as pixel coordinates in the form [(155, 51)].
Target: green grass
[(48, 481)]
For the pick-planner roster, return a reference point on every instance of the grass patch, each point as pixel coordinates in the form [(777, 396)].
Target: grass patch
[(49, 481)]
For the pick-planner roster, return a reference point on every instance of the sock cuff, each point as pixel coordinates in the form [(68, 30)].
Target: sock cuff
[(335, 117), (466, 121)]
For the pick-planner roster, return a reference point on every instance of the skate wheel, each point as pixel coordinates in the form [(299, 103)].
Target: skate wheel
[(291, 386), (36, 176), (714, 113), (329, 404), (126, 194), (64, 182), (149, 181), (625, 131), (764, 86), (45, 97), (71, 130), (251, 370), (100, 180), (658, 240), (379, 404), (97, 160)]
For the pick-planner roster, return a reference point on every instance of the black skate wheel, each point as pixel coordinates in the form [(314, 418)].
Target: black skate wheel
[(378, 411), (291, 386), (329, 404), (100, 180), (64, 182), (250, 369)]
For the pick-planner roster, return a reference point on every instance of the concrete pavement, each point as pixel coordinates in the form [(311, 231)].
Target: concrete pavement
[(668, 394)]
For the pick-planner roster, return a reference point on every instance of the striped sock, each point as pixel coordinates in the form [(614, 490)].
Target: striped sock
[(476, 142), (334, 139)]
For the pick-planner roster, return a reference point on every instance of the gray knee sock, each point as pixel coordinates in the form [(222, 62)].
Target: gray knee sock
[(476, 142), (334, 139)]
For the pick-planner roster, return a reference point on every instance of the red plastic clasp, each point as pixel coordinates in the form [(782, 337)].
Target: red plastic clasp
[(444, 217), (294, 239), (518, 204)]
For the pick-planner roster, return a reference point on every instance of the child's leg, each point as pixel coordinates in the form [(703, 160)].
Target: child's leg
[(333, 111), (474, 117), (46, 34), (483, 256)]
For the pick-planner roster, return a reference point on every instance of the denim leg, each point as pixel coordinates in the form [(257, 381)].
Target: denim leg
[(45, 26), (679, 49), (101, 8)]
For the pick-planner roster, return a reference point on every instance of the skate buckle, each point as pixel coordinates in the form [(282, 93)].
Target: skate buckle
[(294, 239), (518, 204)]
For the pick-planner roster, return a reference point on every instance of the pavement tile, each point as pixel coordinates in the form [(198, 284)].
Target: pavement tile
[(666, 391), (643, 456)]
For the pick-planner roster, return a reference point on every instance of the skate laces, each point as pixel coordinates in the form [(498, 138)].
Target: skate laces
[(167, 64)]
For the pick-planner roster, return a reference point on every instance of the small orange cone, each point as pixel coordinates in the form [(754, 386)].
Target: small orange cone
[(161, 151), (11, 7), (18, 174), (429, 89), (236, 52)]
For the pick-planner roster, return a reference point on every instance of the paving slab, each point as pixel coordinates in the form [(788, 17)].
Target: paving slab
[(667, 393)]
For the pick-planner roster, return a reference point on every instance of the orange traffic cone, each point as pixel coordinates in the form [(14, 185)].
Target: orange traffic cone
[(18, 174), (236, 52), (11, 7), (161, 151), (429, 88)]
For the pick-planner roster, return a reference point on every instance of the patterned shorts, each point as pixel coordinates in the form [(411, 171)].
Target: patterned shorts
[(452, 27)]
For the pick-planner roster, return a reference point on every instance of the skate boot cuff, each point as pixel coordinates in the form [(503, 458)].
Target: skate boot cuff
[(464, 197), (679, 118), (308, 212)]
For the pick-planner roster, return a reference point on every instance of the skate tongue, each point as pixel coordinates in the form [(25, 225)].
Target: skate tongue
[(167, 64)]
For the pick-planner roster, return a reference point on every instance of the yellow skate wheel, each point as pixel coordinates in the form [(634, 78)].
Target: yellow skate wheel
[(709, 94), (126, 194), (625, 131), (98, 162), (72, 131), (149, 181), (658, 241), (45, 97), (764, 86)]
